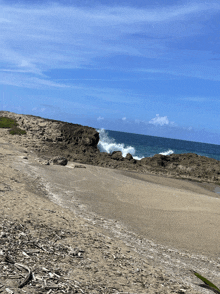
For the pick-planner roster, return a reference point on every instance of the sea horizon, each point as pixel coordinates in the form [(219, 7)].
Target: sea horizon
[(140, 146)]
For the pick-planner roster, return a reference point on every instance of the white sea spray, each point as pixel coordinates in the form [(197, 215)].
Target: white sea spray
[(108, 145)]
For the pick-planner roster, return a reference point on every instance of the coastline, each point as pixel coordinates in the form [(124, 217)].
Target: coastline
[(161, 268), (49, 138)]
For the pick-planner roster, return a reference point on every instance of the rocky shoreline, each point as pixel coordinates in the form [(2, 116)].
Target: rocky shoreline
[(49, 138)]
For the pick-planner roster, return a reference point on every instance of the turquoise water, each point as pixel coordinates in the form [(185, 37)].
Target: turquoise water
[(146, 146)]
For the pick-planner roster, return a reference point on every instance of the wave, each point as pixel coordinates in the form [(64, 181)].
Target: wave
[(107, 144), (169, 152)]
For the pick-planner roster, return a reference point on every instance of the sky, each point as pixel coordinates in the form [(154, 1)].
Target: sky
[(140, 66)]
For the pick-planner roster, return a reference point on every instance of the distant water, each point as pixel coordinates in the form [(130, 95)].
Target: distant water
[(140, 146)]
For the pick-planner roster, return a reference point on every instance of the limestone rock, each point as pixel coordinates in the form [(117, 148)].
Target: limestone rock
[(58, 160), (43, 161)]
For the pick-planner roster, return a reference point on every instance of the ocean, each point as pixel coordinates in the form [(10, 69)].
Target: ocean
[(140, 146)]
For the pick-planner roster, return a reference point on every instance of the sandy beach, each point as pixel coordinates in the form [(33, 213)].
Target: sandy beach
[(139, 233)]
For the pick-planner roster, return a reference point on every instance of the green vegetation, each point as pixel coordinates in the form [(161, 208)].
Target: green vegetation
[(17, 131), (10, 123), (6, 122), (207, 282)]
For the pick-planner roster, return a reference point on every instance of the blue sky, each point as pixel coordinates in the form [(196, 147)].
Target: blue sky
[(140, 66)]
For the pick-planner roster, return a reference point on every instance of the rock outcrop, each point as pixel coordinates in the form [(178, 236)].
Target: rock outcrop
[(51, 138), (58, 160), (187, 165), (117, 155), (46, 136)]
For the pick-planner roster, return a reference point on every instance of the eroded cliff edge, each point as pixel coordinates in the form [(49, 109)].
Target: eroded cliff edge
[(49, 138)]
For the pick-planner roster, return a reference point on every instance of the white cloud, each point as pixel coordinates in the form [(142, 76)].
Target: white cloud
[(159, 120), (123, 118), (100, 118)]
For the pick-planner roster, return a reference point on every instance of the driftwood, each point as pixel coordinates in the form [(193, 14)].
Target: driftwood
[(16, 243), (28, 278), (56, 263)]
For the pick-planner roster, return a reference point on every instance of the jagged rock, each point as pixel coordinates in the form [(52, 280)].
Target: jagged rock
[(129, 156), (187, 165), (58, 160), (117, 155), (51, 137)]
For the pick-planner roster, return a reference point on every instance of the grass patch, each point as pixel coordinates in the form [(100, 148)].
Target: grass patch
[(6, 122), (11, 124)]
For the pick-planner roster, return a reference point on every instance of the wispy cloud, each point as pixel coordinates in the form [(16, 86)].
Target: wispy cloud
[(37, 39), (22, 80), (197, 70)]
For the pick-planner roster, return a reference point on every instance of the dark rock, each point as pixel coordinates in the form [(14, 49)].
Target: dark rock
[(129, 156), (59, 160), (79, 166), (117, 155), (187, 165)]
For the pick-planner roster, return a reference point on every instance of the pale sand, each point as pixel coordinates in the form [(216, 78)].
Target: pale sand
[(171, 212), (168, 222)]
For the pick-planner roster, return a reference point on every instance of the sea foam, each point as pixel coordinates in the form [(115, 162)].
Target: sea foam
[(107, 144), (169, 152)]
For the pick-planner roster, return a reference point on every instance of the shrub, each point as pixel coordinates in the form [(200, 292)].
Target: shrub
[(10, 123), (17, 131), (6, 122)]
